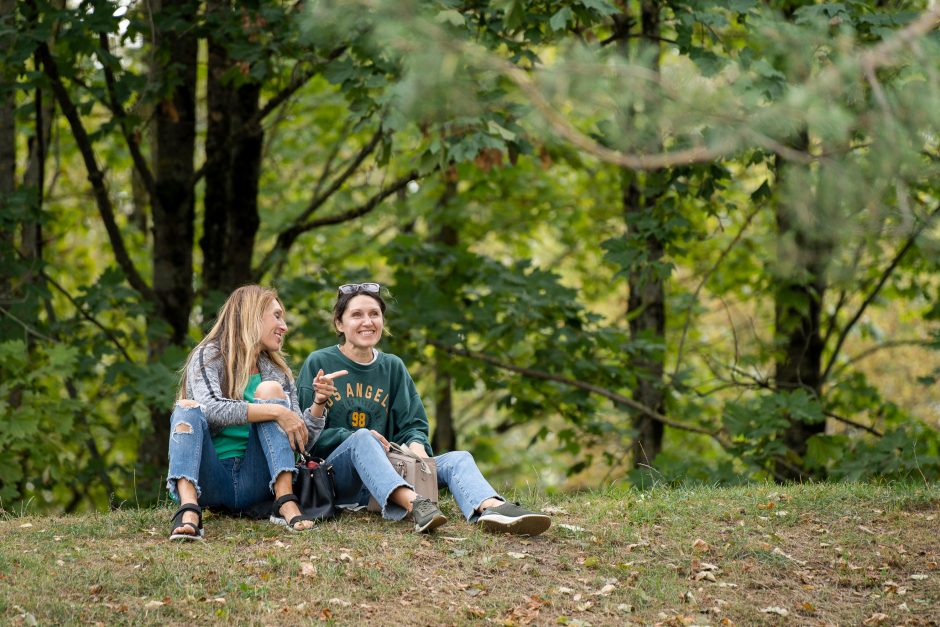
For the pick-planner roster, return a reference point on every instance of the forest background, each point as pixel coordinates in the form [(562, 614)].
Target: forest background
[(647, 242)]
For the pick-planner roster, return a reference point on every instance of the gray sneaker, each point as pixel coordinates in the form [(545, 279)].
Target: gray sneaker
[(511, 518), (426, 515)]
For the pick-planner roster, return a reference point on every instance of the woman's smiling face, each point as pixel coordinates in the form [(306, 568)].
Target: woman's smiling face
[(362, 322), (273, 327)]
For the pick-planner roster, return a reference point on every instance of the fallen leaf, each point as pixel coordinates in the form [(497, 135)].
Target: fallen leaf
[(585, 606), (778, 551), (606, 590), (866, 529), (26, 525), (919, 577), (553, 510), (326, 614), (623, 607), (474, 612), (219, 600), (153, 604), (340, 602), (776, 610), (571, 528), (904, 608), (706, 575), (95, 589), (280, 544), (564, 590), (307, 569), (700, 545), (875, 619), (518, 556)]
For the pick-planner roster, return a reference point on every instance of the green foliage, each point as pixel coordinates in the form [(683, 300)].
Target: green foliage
[(508, 258)]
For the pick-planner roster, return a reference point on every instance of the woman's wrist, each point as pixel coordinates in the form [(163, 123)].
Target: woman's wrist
[(322, 402)]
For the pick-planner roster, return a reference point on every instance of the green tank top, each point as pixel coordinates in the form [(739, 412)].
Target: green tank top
[(233, 441)]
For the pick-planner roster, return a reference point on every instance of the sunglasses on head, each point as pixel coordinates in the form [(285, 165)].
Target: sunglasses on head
[(356, 288)]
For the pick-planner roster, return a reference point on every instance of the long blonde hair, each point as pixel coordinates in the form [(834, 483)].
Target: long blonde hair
[(237, 334)]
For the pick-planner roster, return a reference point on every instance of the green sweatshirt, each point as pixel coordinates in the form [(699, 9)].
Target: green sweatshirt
[(380, 396)]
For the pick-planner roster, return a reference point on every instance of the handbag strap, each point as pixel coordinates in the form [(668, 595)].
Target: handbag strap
[(407, 452)]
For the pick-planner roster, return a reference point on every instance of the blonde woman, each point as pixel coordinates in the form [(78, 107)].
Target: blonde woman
[(237, 422)]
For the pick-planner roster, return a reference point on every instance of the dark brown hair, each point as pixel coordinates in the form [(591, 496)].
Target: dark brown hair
[(342, 302)]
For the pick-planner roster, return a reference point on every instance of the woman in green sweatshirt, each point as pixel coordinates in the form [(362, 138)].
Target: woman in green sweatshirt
[(377, 403)]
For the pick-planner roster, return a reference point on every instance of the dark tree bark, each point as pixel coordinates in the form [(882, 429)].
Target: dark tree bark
[(646, 304), (445, 435), (797, 312), (173, 207), (234, 144), (175, 144), (7, 151), (646, 307)]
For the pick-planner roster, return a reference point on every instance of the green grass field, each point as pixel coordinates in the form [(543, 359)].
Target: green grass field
[(802, 555)]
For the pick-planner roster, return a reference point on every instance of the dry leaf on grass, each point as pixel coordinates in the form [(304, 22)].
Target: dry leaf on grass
[(875, 619), (918, 577), (153, 604), (307, 569), (700, 545), (515, 555), (340, 602), (780, 611)]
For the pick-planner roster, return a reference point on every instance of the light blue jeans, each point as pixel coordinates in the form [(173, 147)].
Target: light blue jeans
[(361, 469), (234, 483)]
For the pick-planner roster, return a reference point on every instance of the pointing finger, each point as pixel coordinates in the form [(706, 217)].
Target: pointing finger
[(333, 375)]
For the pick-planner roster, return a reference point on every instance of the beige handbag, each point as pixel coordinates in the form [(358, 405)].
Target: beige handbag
[(421, 472)]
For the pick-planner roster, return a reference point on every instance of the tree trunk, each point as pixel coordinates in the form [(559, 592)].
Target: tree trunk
[(173, 211), (445, 435), (646, 305), (7, 156), (175, 143), (797, 311), (233, 167)]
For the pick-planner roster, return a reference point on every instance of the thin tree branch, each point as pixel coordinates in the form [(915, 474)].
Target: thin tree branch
[(330, 158), (30, 330), (705, 277), (317, 201), (885, 275), (132, 144), (95, 175), (851, 422), (588, 387), (874, 349), (287, 237), (81, 310)]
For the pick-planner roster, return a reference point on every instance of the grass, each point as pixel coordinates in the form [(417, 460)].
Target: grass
[(813, 554)]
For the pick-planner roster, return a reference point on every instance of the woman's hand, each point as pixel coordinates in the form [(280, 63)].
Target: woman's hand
[(294, 426), (418, 449), (324, 387), (381, 438)]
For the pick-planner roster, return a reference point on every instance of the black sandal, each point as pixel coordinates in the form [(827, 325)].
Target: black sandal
[(178, 522), (277, 519)]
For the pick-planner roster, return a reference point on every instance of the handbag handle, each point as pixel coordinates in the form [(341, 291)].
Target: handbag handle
[(407, 452)]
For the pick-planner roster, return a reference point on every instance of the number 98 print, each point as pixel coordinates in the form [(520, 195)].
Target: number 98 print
[(358, 419)]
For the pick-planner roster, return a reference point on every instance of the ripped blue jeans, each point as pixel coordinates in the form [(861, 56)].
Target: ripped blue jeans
[(235, 483)]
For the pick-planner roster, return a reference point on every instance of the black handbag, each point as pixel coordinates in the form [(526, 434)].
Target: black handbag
[(316, 489)]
